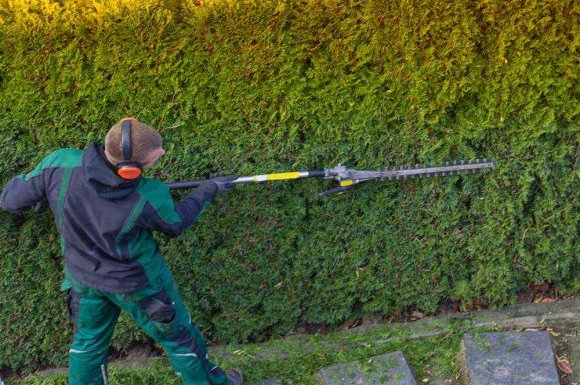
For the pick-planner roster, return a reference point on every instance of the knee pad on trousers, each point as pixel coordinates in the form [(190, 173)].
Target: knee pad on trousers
[(159, 307)]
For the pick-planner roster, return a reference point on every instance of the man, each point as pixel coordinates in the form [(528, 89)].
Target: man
[(105, 211)]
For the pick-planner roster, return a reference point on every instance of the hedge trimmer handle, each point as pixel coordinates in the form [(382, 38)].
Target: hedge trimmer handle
[(336, 190)]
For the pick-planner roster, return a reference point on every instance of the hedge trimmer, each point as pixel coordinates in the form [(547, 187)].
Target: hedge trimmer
[(348, 178)]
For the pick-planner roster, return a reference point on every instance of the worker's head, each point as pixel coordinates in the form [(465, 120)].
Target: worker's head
[(146, 143)]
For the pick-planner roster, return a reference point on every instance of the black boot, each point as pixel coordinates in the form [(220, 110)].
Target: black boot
[(234, 377)]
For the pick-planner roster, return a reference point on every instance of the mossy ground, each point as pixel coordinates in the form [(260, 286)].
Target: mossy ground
[(298, 360)]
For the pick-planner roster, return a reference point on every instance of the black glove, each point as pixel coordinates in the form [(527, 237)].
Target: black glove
[(222, 181)]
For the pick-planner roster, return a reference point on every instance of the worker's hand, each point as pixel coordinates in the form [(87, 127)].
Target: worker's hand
[(223, 182)]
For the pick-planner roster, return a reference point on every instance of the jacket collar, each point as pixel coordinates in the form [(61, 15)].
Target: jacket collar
[(101, 175)]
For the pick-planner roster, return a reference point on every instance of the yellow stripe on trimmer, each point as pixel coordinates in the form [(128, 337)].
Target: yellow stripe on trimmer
[(344, 183), (283, 176)]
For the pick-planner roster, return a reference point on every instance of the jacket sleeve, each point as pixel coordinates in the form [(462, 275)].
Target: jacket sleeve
[(26, 190), (171, 218)]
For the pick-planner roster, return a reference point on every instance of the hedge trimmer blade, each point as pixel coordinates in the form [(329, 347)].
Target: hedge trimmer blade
[(347, 178), (455, 168)]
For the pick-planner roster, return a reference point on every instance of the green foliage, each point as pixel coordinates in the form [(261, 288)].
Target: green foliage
[(255, 86)]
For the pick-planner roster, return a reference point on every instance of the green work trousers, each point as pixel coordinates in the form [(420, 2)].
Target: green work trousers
[(157, 309)]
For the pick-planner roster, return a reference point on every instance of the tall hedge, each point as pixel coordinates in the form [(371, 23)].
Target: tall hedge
[(256, 86)]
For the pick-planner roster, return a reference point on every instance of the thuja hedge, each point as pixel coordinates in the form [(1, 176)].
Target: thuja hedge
[(258, 86)]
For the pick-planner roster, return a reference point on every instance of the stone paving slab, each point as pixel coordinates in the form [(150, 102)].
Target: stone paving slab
[(509, 358), (387, 369)]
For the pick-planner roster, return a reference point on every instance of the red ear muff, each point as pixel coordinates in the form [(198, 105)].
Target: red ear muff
[(128, 169), (129, 172)]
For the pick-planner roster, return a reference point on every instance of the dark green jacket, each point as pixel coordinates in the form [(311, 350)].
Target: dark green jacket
[(105, 222)]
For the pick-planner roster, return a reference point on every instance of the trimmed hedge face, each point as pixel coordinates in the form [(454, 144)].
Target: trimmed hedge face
[(252, 87)]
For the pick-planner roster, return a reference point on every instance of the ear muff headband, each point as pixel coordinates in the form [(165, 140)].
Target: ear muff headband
[(126, 140), (128, 169)]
